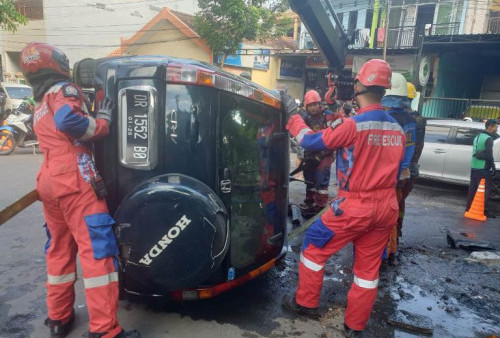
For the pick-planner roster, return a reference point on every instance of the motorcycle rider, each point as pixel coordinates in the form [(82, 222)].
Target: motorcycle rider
[(317, 165), (370, 148), (72, 193)]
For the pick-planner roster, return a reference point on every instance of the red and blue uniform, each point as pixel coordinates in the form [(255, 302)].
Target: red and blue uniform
[(409, 125), (369, 148), (77, 221), (317, 165)]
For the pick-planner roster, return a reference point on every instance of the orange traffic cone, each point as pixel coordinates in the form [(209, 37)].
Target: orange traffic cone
[(476, 210)]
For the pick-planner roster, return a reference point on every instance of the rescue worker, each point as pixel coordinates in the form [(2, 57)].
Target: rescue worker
[(347, 110), (317, 163), (370, 148), (483, 164), (394, 102), (72, 193), (420, 124)]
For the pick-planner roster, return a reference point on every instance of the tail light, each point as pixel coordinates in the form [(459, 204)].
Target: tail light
[(194, 75)]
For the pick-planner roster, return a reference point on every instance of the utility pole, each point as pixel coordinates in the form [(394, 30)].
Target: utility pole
[(386, 27)]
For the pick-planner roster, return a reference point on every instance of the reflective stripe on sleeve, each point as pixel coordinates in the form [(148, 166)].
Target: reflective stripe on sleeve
[(301, 134), (89, 133), (380, 125), (104, 280), (310, 264), (365, 284), (55, 280)]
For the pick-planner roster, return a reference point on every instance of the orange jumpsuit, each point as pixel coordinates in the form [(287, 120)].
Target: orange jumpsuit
[(77, 220)]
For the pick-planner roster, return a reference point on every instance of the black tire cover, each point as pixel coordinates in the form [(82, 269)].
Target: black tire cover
[(173, 234)]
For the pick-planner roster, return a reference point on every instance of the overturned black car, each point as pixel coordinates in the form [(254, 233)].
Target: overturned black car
[(196, 169)]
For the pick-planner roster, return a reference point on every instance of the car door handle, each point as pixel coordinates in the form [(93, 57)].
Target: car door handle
[(439, 151)]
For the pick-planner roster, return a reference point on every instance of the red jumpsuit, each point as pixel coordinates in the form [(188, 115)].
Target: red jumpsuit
[(317, 167), (369, 152), (77, 221)]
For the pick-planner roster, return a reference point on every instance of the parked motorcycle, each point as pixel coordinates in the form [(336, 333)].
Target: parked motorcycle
[(17, 130)]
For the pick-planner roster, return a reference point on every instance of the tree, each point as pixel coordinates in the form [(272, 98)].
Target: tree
[(10, 18), (223, 24)]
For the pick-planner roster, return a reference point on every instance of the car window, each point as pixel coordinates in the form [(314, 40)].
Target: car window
[(437, 134), (254, 155), (465, 136), (19, 93)]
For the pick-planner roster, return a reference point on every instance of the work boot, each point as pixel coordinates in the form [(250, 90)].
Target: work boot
[(308, 201), (129, 334), (350, 333), (305, 205), (291, 305), (392, 259), (123, 334), (57, 328), (312, 211), (308, 213)]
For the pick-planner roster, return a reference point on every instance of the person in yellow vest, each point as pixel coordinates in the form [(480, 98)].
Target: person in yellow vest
[(482, 164)]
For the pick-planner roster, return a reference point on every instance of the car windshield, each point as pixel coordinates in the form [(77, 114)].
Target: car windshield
[(19, 93)]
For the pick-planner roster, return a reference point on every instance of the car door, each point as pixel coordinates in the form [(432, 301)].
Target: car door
[(458, 157), (436, 146)]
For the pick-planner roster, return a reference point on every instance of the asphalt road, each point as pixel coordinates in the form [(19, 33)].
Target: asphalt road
[(461, 299)]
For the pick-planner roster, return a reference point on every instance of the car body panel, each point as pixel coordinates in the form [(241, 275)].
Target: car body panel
[(10, 90), (434, 153), (448, 159)]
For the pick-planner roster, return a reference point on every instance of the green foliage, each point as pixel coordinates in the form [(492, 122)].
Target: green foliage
[(10, 18), (224, 24)]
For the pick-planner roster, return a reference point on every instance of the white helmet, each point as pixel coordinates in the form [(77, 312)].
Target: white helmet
[(398, 86), (468, 119)]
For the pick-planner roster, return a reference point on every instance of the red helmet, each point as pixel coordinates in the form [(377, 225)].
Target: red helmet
[(375, 72), (37, 56), (311, 96)]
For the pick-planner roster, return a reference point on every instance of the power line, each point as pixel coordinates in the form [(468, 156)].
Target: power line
[(79, 32), (110, 4)]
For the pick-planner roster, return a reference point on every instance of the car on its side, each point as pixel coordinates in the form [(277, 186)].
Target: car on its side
[(448, 150)]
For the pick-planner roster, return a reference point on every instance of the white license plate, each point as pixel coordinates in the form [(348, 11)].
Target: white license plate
[(137, 114)]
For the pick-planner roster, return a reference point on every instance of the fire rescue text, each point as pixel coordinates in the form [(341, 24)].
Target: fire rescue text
[(384, 140)]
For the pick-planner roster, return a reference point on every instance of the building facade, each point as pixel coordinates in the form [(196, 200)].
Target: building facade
[(80, 28), (448, 48)]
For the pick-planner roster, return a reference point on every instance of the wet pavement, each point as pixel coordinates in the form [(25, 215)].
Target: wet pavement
[(460, 298)]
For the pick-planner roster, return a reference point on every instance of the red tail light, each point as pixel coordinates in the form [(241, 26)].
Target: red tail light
[(215, 290)]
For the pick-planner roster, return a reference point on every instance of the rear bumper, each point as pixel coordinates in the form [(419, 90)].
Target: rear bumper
[(215, 290), (204, 293)]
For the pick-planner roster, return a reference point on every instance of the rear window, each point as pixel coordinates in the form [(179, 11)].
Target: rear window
[(19, 93), (437, 134)]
